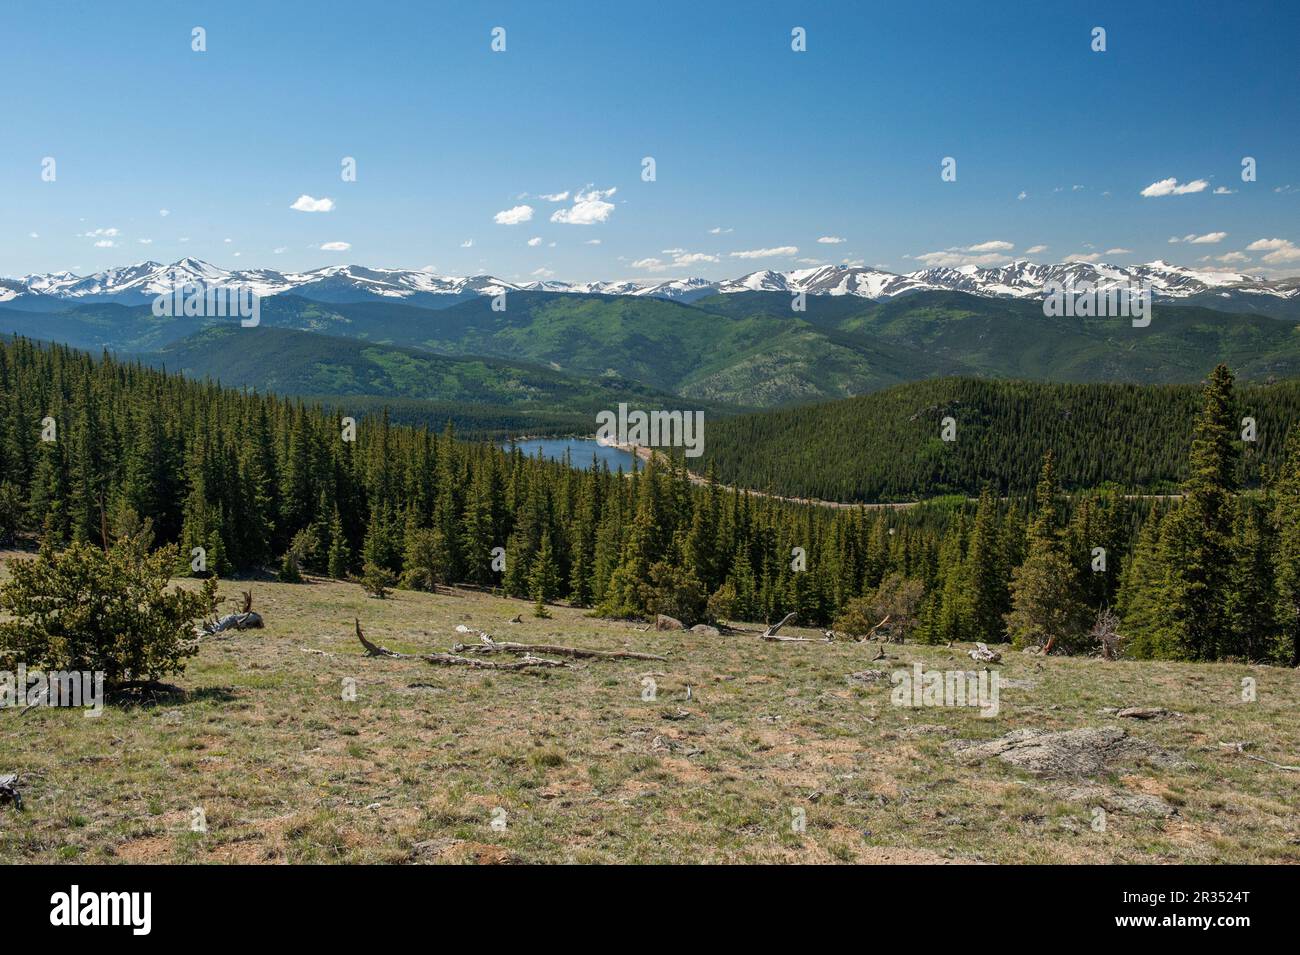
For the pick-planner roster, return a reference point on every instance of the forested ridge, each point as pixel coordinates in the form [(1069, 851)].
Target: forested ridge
[(889, 446), (94, 447)]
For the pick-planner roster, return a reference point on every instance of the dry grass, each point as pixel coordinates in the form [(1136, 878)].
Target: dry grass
[(585, 770)]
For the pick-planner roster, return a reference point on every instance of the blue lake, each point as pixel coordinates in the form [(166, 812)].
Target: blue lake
[(580, 451)]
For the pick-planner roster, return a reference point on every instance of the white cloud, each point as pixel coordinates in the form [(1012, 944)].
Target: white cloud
[(1171, 187), (164, 212), (1279, 250), (810, 261), (718, 230), (555, 196), (336, 246), (280, 251), (1119, 252), (831, 240), (592, 242), (97, 233), (514, 215), (543, 273), (467, 244), (694, 258), (1023, 195), (589, 207), (1036, 250), (145, 241), (306, 203), (1229, 258), (680, 259), (535, 241), (992, 252), (1192, 238), (104, 244), (1223, 191), (1083, 257), (32, 235), (779, 250)]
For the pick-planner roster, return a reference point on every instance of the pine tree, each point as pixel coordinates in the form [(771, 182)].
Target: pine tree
[(1045, 607), (1196, 536)]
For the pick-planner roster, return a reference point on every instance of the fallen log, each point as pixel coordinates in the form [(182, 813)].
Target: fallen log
[(9, 790), (489, 645), (246, 619), (447, 659), (771, 633), (1241, 749)]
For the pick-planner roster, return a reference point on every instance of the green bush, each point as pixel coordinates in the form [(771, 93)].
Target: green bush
[(87, 609)]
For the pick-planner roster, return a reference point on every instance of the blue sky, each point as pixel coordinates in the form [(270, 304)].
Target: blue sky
[(773, 148)]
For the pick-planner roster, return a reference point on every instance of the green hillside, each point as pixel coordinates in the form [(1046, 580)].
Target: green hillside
[(745, 349), (887, 446), (302, 363)]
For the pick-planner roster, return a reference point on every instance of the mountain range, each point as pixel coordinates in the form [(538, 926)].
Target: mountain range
[(140, 283)]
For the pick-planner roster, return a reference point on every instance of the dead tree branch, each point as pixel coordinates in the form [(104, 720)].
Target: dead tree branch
[(489, 645), (771, 633), (448, 659)]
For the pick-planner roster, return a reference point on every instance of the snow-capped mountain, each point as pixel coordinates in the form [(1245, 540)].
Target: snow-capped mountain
[(140, 283)]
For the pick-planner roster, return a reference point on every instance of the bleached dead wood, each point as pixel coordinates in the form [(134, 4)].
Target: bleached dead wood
[(448, 659), (1241, 748), (771, 633), (489, 645), (246, 619)]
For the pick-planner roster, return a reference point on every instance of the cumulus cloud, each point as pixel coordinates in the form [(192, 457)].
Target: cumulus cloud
[(1223, 191), (105, 244), (1119, 252), (555, 196), (694, 258), (306, 203), (1231, 258), (33, 235), (831, 240), (1172, 187), (1036, 250), (1279, 251), (535, 241), (99, 233), (164, 212), (1083, 257), (336, 246), (145, 241), (467, 244), (514, 215), (680, 259), (779, 250), (1192, 238), (589, 207), (592, 242), (992, 252)]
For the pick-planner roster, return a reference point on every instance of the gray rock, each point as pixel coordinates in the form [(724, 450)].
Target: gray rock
[(1087, 751)]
